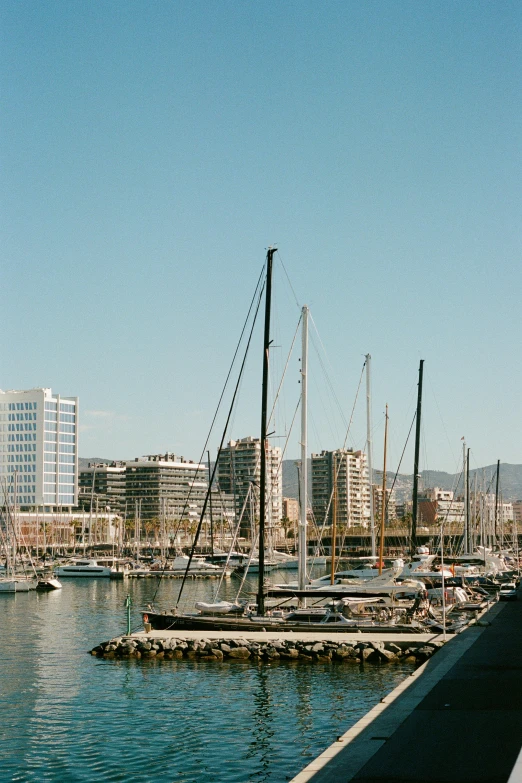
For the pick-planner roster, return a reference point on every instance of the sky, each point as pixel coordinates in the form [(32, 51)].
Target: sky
[(152, 151)]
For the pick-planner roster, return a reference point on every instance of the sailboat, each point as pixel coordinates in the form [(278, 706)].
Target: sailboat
[(12, 582), (250, 615)]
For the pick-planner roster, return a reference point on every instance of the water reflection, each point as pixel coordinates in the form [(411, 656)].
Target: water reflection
[(70, 717)]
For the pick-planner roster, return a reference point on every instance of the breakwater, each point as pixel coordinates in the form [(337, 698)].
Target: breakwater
[(259, 651)]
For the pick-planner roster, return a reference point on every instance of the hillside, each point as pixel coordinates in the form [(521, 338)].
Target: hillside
[(510, 479)]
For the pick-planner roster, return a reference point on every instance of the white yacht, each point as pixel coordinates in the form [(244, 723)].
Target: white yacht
[(85, 568)]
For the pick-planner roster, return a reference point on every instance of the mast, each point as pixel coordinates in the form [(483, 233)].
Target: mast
[(369, 447), (264, 438), (334, 520), (303, 477), (210, 505), (413, 542), (468, 514), (383, 515), (496, 502), (465, 495)]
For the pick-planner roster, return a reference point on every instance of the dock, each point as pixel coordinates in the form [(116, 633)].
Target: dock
[(456, 719)]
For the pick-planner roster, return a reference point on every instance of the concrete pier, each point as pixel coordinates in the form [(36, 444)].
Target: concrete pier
[(456, 719)]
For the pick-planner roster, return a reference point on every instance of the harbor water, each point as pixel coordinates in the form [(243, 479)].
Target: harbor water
[(68, 716)]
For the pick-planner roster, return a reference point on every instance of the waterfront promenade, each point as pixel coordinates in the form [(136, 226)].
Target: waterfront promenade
[(458, 719)]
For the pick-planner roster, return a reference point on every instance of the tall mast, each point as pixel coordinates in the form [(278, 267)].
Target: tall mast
[(264, 438), (334, 518), (303, 483), (210, 505), (465, 498), (383, 515), (369, 447), (413, 543), (496, 503), (468, 515)]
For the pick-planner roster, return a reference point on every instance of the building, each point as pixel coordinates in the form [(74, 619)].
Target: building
[(291, 509), (494, 514), (390, 508), (239, 475), (165, 485), (39, 449), (517, 511), (437, 505), (347, 470), (103, 486)]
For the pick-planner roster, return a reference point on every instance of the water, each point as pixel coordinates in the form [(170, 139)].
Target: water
[(68, 716)]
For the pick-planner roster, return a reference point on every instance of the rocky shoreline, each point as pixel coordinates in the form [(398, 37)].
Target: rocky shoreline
[(267, 651)]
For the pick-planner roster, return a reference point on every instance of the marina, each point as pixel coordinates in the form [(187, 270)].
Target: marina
[(227, 721)]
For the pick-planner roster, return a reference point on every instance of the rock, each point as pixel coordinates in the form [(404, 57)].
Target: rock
[(367, 654), (377, 646), (225, 647), (425, 651), (238, 652), (388, 656), (323, 658), (217, 654), (177, 653), (410, 659), (289, 653), (344, 652), (394, 648), (318, 648), (149, 654)]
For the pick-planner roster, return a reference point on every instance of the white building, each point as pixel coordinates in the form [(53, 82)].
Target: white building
[(239, 472), (38, 448), (346, 470)]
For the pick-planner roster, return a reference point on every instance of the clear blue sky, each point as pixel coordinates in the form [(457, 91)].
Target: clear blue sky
[(151, 151)]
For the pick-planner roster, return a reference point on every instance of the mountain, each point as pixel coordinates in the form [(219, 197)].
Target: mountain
[(84, 462), (510, 483)]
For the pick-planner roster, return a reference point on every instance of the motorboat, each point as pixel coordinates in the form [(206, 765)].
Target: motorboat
[(46, 584), (84, 568)]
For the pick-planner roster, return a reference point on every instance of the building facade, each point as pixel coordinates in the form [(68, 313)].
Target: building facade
[(165, 485), (239, 475), (102, 486), (437, 505), (390, 510), (347, 471), (39, 449)]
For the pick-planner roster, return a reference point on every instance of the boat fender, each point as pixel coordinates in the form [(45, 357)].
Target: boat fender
[(145, 618)]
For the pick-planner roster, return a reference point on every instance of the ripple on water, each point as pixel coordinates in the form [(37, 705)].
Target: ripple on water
[(70, 717)]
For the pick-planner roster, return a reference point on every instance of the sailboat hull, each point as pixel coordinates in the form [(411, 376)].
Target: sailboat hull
[(169, 622), (17, 585)]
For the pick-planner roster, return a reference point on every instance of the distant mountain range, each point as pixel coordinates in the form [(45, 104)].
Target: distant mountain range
[(510, 479)]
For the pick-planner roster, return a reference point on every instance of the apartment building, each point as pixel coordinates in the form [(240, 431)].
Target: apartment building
[(389, 508), (239, 474), (163, 484), (436, 505), (102, 486), (347, 471)]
